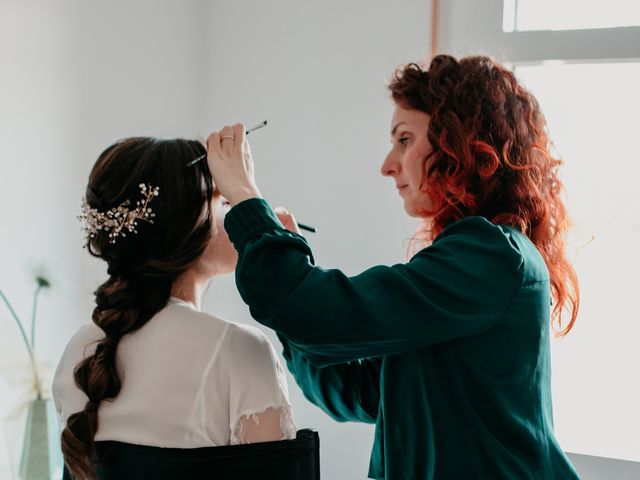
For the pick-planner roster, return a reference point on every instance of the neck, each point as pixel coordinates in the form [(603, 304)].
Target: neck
[(189, 287)]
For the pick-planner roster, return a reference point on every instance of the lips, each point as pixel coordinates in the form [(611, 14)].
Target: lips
[(401, 187)]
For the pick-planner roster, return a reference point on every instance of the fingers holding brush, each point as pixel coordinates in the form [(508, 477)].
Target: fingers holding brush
[(231, 165), (287, 219)]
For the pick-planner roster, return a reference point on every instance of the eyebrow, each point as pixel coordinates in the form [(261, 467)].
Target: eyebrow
[(393, 130)]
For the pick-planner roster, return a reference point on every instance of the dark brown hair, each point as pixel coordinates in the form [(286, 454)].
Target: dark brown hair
[(490, 157), (141, 266)]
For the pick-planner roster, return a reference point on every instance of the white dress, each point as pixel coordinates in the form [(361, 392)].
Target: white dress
[(188, 380)]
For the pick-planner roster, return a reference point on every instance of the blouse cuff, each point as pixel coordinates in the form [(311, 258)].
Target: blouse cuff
[(248, 219)]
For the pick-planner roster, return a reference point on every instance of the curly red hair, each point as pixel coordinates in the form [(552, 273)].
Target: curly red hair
[(491, 157)]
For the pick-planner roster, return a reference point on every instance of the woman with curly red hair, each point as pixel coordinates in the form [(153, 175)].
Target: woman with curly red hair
[(448, 354)]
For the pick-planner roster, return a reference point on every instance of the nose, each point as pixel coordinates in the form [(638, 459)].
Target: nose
[(390, 166)]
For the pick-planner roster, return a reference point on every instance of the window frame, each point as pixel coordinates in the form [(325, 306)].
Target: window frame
[(470, 28)]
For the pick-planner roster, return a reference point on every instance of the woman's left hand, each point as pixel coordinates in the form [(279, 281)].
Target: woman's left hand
[(287, 219), (231, 164)]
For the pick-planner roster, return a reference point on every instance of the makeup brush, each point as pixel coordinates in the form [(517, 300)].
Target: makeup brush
[(301, 226), (201, 157), (308, 228)]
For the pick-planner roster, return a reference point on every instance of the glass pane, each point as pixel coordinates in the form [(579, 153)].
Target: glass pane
[(525, 15), (592, 114)]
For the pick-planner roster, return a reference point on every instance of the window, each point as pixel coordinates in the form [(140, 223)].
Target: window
[(591, 110), (586, 79), (527, 15)]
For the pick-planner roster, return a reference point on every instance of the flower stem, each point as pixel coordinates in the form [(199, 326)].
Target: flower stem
[(33, 318), (26, 343)]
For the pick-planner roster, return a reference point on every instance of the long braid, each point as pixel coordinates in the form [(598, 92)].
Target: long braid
[(121, 308)]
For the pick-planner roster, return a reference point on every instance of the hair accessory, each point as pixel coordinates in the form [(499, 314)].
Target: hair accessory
[(116, 220)]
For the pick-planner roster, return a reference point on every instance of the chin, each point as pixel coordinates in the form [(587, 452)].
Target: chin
[(419, 207), (411, 210)]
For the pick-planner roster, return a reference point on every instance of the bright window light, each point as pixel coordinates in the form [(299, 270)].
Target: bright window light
[(526, 15), (592, 114)]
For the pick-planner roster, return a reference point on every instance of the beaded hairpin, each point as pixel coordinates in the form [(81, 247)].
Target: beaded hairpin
[(117, 219)]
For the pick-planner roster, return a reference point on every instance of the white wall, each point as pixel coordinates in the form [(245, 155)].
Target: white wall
[(37, 169), (77, 75)]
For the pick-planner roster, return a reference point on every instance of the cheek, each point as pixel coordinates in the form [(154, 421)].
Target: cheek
[(220, 250), (414, 164), (225, 244), (225, 248)]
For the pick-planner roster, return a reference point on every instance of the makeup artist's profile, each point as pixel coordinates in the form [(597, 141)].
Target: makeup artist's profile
[(447, 354)]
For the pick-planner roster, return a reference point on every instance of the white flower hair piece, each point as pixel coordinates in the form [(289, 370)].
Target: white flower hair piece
[(118, 220)]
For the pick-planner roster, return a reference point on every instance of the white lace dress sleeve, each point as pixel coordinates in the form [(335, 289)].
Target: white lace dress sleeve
[(259, 408)]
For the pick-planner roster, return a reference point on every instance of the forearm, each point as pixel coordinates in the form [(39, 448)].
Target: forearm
[(347, 391), (441, 294)]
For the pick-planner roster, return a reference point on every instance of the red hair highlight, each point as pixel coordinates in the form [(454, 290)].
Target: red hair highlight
[(491, 157)]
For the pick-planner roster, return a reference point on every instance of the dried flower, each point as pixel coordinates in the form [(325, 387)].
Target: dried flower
[(30, 344)]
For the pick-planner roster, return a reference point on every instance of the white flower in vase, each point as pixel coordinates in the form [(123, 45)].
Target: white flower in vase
[(39, 450)]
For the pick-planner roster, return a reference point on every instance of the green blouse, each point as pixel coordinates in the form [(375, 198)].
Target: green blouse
[(447, 354)]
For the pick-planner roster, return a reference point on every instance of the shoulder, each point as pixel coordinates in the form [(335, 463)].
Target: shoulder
[(82, 344), (198, 326), (186, 323), (533, 265), (476, 238), (478, 242), (249, 342), (250, 354), (256, 376), (476, 230)]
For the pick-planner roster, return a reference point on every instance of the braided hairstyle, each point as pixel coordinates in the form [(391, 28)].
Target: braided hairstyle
[(142, 267), (490, 157)]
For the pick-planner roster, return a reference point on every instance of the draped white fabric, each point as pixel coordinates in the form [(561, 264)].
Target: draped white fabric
[(188, 380)]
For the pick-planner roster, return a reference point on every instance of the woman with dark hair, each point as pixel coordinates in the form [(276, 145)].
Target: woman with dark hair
[(152, 369), (448, 354)]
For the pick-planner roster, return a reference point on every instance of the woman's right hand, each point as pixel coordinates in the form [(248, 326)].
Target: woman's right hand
[(231, 165)]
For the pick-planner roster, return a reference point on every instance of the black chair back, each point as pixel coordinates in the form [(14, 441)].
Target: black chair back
[(283, 460)]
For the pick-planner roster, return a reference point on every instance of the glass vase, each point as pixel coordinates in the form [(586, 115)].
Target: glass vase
[(33, 440)]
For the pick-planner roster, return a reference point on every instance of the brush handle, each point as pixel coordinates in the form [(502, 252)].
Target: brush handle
[(308, 228)]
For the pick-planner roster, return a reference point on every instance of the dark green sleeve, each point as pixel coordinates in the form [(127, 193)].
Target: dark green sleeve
[(347, 391), (459, 286)]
